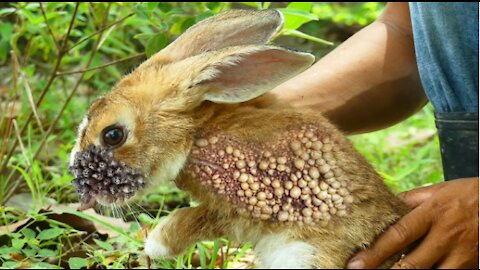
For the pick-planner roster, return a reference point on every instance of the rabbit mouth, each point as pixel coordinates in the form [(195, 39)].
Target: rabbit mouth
[(99, 177)]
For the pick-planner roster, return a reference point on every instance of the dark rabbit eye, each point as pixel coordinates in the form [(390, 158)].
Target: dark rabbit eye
[(114, 136)]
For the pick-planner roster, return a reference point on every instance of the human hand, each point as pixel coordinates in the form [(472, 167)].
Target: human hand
[(444, 216)]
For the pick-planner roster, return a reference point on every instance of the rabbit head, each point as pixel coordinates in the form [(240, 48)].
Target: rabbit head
[(141, 132)]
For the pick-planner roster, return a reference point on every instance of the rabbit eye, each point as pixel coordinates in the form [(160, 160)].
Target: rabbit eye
[(114, 136)]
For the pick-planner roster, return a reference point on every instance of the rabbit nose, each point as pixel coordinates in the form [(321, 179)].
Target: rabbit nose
[(98, 173)]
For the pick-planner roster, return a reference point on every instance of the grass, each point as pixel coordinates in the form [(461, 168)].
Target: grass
[(407, 155), (47, 52)]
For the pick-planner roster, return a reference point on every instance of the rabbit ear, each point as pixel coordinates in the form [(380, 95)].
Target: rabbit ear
[(233, 28), (249, 72)]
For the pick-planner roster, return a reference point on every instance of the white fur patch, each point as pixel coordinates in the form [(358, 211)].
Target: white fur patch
[(277, 251), (170, 169), (154, 247), (76, 148)]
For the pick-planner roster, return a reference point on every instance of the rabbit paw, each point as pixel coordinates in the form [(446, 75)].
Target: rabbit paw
[(154, 244)]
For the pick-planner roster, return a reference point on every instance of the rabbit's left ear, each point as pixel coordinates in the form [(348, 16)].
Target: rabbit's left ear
[(249, 72), (232, 28)]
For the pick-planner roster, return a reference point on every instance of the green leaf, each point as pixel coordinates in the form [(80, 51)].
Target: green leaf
[(204, 15), (162, 26), (186, 24), (145, 219), (140, 11), (6, 31), (155, 44), (18, 243), (42, 265), (9, 250), (46, 253), (30, 252), (267, 4), (11, 265), (302, 6), (296, 18), (213, 5), (77, 263), (50, 233), (151, 5), (4, 48), (29, 233), (257, 5), (103, 245), (164, 7), (6, 11)]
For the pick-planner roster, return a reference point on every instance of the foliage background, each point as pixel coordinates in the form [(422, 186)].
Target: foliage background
[(56, 58)]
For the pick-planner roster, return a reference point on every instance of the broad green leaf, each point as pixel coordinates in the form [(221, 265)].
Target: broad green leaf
[(151, 5), (140, 11), (9, 250), (6, 30), (213, 5), (77, 263), (186, 24), (43, 265), (302, 6), (257, 5), (29, 252), (6, 11), (296, 18), (50, 233), (164, 7), (145, 219), (103, 245), (155, 44), (29, 233), (4, 48), (11, 265), (204, 15), (18, 243), (46, 253), (162, 26)]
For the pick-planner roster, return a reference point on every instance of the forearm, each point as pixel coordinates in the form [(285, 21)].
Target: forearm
[(368, 82)]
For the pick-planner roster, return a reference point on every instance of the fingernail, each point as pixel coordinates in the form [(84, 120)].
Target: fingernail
[(355, 264)]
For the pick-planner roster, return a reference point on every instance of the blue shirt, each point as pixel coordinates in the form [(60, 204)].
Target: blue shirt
[(446, 48)]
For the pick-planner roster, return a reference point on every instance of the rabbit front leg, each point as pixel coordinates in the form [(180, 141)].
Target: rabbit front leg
[(178, 231)]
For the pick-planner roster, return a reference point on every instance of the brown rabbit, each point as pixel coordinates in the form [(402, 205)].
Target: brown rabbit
[(196, 112)]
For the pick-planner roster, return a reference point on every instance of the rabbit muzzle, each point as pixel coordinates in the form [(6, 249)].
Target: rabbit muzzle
[(99, 177)]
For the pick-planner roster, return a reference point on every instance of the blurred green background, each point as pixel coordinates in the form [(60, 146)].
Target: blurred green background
[(57, 58)]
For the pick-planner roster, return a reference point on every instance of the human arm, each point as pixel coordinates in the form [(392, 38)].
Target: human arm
[(367, 83)]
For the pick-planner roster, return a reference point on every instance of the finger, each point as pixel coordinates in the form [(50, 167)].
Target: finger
[(424, 256), (408, 229), (415, 197), (459, 261)]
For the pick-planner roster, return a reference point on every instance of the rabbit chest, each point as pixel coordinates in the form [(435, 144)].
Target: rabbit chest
[(295, 177)]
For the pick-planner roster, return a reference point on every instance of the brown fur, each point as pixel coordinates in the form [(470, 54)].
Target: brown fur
[(375, 209), (164, 105)]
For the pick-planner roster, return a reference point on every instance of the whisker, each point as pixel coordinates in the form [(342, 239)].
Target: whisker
[(134, 216), (144, 210), (113, 211)]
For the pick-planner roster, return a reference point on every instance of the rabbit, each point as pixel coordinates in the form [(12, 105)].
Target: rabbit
[(199, 113)]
